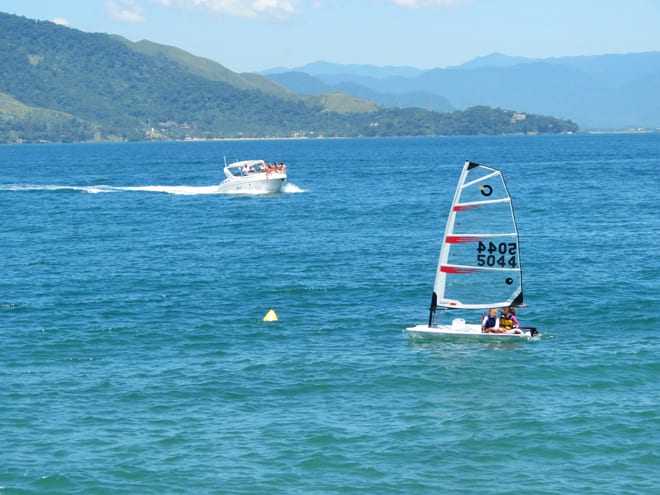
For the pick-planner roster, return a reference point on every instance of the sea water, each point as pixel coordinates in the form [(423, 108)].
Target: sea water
[(135, 358)]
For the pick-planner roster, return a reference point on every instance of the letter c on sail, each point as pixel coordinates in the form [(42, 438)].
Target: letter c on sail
[(486, 190)]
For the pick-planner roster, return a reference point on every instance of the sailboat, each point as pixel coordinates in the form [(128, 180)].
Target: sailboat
[(479, 266)]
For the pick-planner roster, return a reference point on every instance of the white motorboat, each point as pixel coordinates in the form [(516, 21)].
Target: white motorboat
[(253, 177), (479, 266)]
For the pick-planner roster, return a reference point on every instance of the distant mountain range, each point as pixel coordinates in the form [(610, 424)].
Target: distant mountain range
[(61, 84), (597, 92)]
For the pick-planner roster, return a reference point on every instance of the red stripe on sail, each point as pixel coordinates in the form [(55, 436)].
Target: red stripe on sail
[(464, 207), (461, 239), (457, 270)]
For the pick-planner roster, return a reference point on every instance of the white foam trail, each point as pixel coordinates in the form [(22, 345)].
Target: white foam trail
[(98, 189), (290, 188), (39, 187), (35, 187), (180, 190)]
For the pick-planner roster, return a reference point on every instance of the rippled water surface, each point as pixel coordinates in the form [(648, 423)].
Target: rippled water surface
[(135, 359)]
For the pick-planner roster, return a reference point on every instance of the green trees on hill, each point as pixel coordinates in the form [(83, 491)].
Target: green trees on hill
[(75, 86)]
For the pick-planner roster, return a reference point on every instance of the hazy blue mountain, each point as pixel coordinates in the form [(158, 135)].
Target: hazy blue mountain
[(324, 68), (614, 70), (530, 85), (611, 91), (306, 84), (300, 82), (495, 60)]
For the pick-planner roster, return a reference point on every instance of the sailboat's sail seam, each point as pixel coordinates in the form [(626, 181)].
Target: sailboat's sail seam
[(473, 204), (480, 179), (472, 269), (463, 238)]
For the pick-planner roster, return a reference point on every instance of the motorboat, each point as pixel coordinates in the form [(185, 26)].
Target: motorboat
[(253, 177)]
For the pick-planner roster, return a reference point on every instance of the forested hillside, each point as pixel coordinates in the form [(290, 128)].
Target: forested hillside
[(61, 84)]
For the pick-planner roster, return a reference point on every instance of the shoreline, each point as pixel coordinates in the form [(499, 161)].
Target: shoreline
[(306, 138)]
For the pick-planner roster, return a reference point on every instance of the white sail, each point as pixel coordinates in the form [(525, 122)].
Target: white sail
[(479, 264)]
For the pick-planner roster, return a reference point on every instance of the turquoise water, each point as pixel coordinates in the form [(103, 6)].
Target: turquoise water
[(135, 359)]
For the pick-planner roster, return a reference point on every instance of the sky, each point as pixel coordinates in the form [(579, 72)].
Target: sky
[(255, 35)]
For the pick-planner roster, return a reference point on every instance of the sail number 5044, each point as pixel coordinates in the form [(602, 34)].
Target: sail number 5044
[(502, 254)]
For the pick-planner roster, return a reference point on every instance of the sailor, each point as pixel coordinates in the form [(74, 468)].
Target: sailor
[(490, 322), (506, 319), (512, 312)]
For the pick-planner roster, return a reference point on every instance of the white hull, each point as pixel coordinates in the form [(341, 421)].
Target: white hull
[(257, 183), (461, 329)]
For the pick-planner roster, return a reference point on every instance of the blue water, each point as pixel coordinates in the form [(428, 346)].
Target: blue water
[(135, 359)]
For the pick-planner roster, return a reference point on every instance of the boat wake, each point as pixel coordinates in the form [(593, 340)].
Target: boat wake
[(178, 190), (290, 188), (100, 189)]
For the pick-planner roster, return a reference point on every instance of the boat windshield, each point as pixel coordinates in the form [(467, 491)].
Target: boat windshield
[(244, 169)]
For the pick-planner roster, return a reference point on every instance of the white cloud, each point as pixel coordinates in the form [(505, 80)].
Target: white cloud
[(61, 21), (279, 9), (125, 11), (242, 8), (414, 4)]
